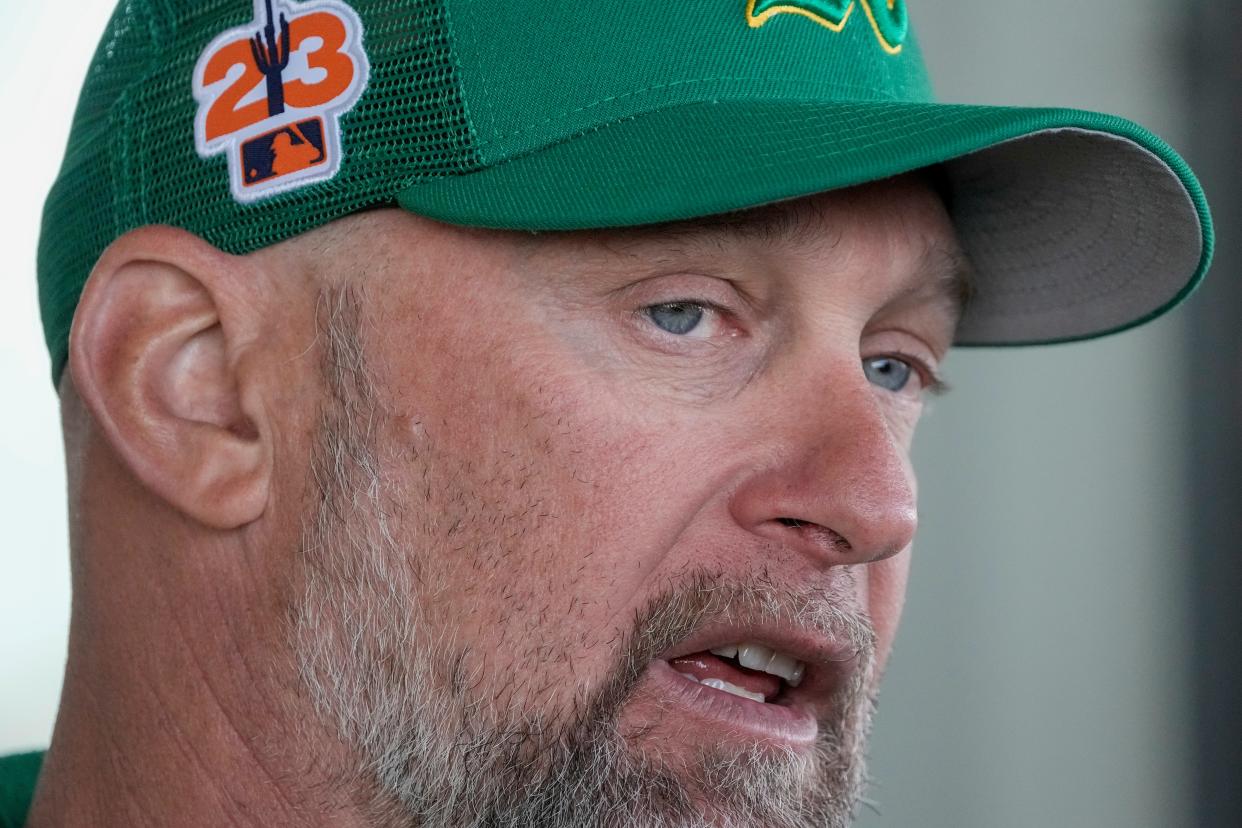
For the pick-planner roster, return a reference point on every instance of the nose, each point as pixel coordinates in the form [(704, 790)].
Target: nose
[(834, 484)]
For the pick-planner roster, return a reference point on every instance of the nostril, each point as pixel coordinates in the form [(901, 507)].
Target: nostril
[(822, 536)]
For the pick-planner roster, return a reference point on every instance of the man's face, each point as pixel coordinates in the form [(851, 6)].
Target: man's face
[(549, 465)]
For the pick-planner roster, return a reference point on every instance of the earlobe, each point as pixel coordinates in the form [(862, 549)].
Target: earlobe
[(157, 353)]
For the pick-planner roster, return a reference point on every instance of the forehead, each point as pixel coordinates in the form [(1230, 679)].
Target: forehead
[(907, 208)]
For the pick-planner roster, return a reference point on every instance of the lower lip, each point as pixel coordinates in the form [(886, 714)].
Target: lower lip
[(757, 721)]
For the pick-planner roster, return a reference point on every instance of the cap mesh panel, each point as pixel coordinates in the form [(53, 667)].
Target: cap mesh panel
[(132, 161)]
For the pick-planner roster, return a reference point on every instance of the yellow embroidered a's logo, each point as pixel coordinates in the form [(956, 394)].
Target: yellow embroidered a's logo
[(888, 17)]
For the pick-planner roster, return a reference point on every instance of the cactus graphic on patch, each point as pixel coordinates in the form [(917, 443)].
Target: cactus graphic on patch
[(271, 94), (272, 58)]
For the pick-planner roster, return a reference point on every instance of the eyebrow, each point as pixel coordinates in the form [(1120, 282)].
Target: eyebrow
[(768, 223), (944, 271), (948, 275)]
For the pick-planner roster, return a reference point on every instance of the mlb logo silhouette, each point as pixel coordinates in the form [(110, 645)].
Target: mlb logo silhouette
[(270, 94), (284, 151)]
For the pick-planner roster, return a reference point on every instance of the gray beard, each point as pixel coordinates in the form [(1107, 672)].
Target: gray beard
[(436, 745)]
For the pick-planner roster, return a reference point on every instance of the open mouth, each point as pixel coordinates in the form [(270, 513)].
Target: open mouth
[(725, 684), (716, 708), (747, 670)]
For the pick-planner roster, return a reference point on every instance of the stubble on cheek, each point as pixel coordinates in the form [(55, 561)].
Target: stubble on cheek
[(477, 516), (513, 489)]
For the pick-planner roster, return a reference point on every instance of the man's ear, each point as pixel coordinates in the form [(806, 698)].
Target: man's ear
[(158, 353)]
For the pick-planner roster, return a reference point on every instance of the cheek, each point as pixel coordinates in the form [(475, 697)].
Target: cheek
[(536, 505), (903, 418), (886, 595)]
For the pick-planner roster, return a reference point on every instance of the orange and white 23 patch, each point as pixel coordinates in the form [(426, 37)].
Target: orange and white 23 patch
[(270, 94)]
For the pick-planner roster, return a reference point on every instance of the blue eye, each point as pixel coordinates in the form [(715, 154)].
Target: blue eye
[(887, 372), (681, 317)]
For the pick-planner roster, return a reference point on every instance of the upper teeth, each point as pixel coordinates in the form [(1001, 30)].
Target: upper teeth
[(758, 657)]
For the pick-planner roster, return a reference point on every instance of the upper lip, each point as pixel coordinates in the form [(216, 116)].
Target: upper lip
[(828, 660)]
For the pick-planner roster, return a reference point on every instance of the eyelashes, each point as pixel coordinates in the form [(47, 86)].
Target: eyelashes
[(680, 319)]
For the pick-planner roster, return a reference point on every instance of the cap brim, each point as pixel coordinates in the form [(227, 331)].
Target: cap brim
[(1077, 223)]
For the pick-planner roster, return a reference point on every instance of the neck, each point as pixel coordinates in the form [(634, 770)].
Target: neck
[(175, 712)]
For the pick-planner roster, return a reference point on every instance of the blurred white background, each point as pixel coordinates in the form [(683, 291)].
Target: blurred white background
[(1040, 678), (44, 51)]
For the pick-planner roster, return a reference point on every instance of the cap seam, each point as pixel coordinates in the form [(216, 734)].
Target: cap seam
[(140, 171), (489, 109), (132, 210), (886, 98), (450, 32)]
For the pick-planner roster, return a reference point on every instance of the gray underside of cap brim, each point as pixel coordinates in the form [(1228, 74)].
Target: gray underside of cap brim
[(1071, 233)]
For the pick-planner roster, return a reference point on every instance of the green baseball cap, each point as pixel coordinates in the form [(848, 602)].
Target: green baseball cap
[(251, 122)]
